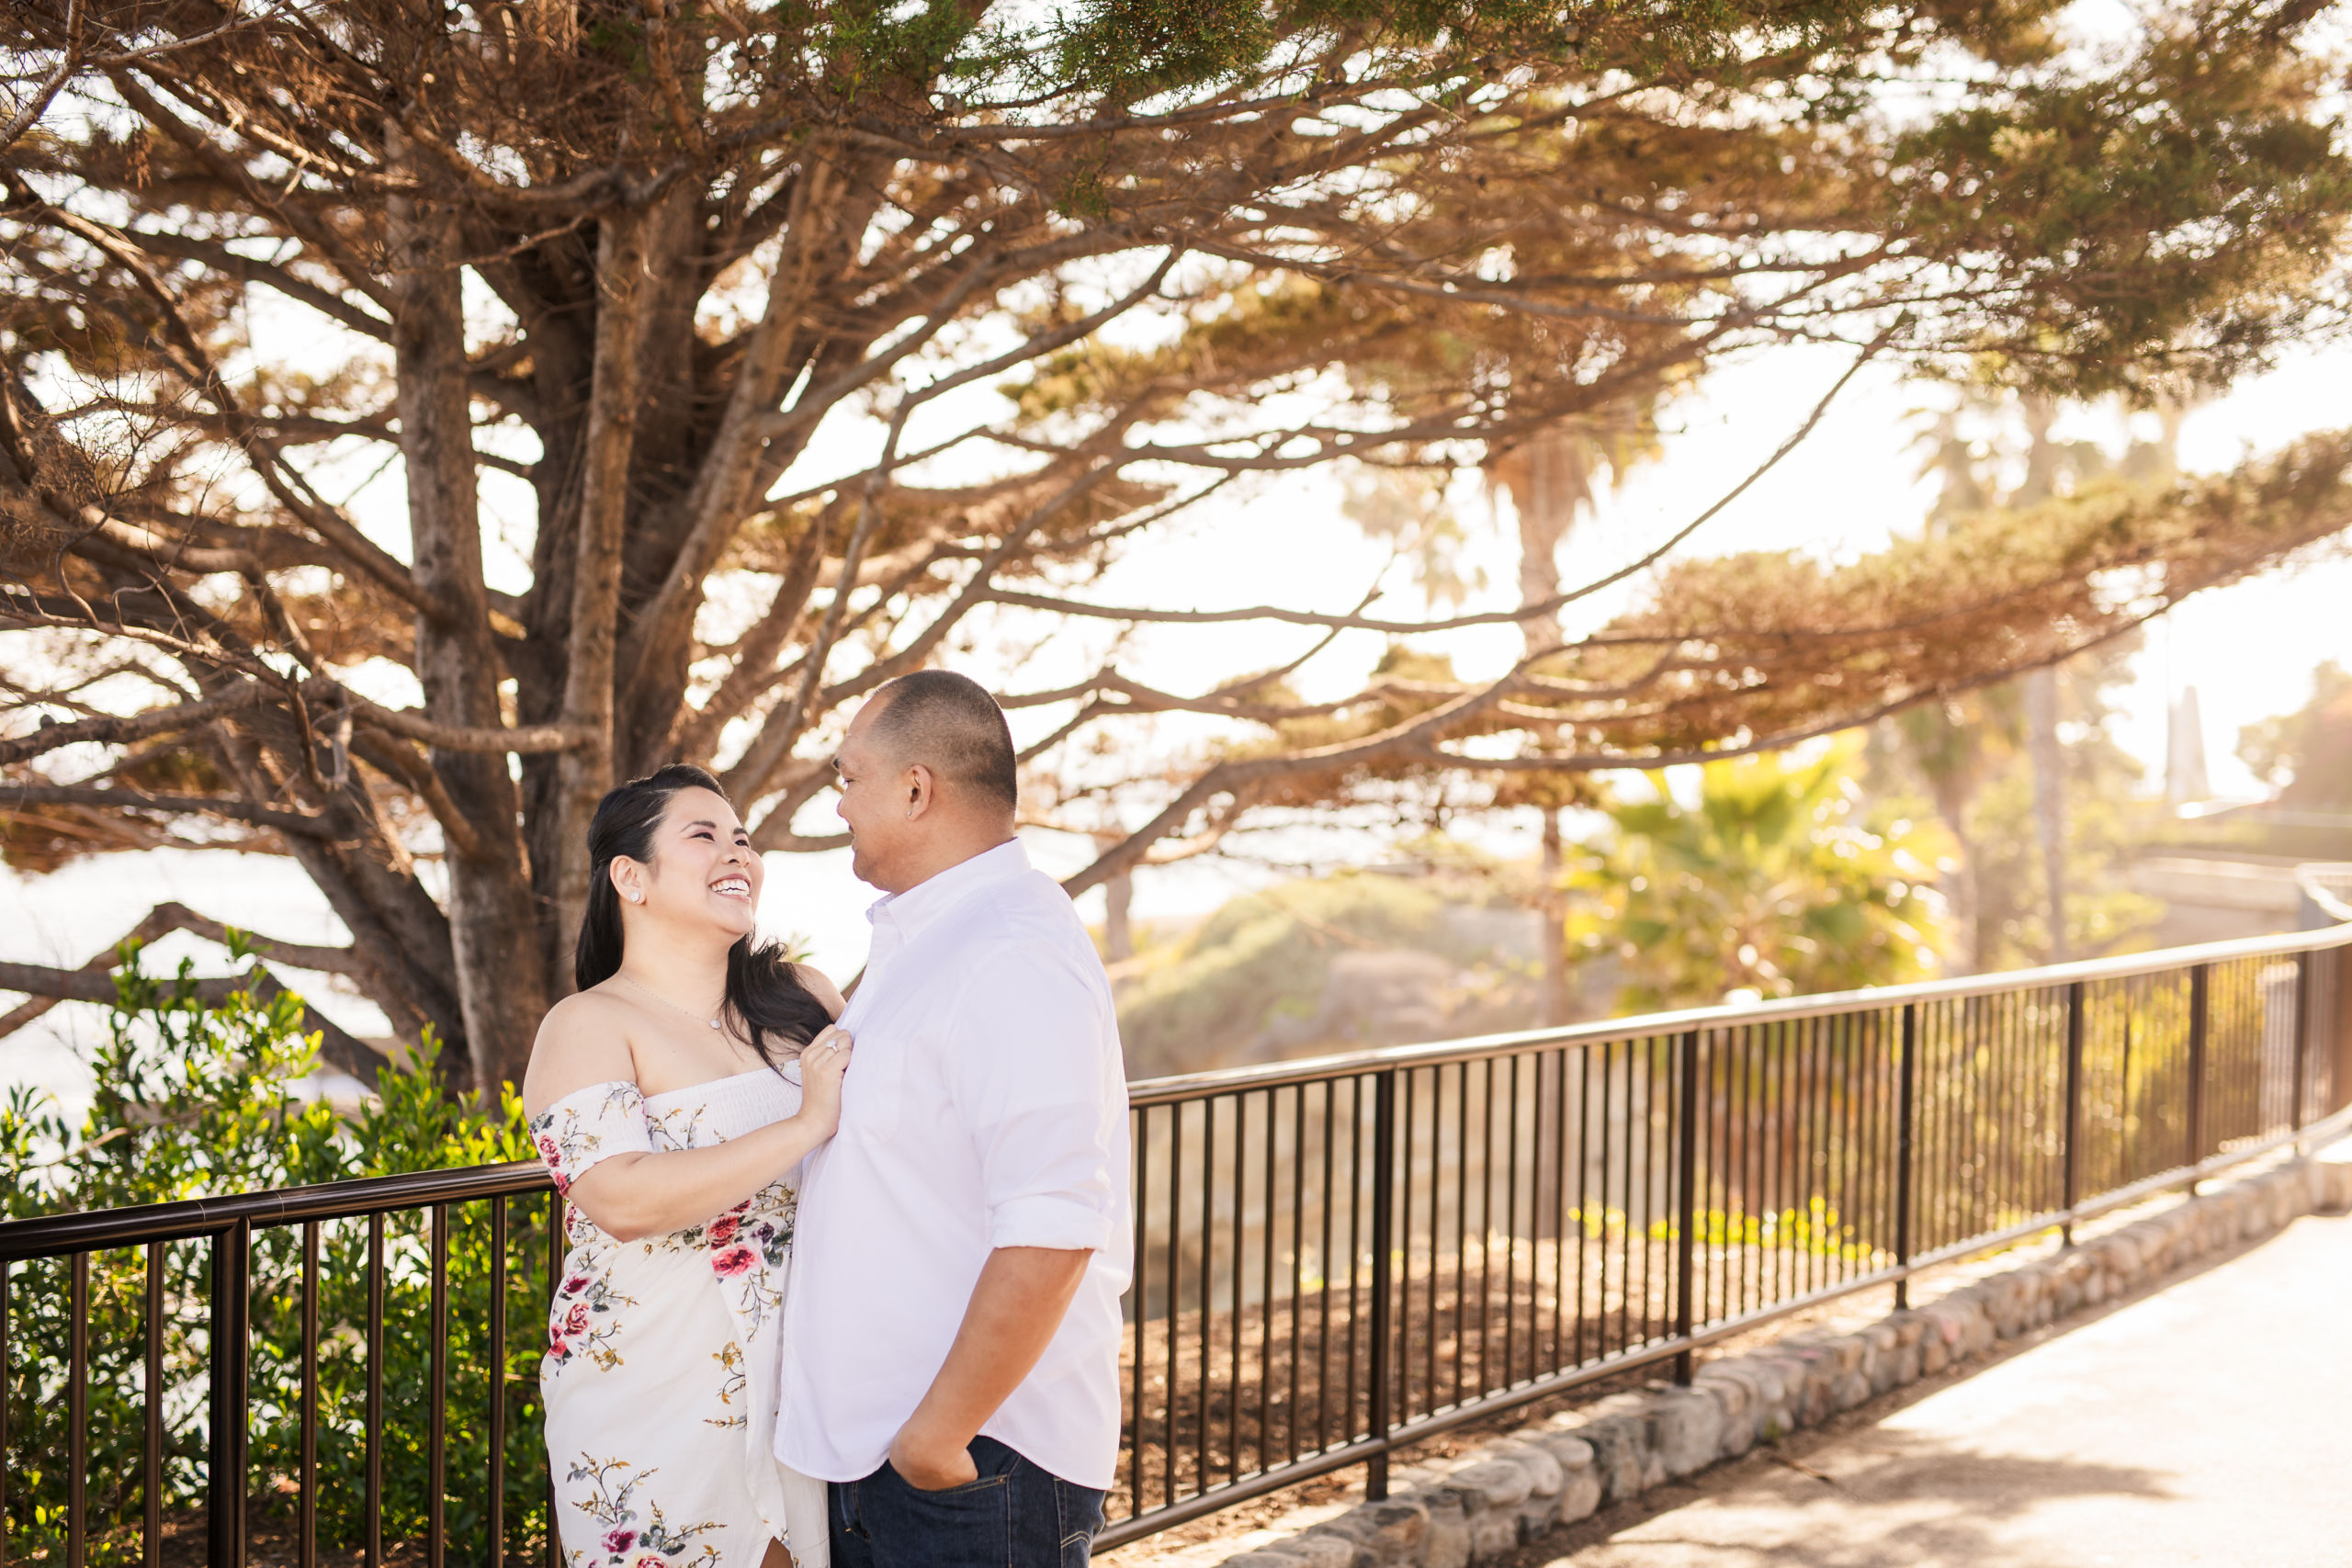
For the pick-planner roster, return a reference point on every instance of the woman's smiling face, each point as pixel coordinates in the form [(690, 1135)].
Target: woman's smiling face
[(703, 870)]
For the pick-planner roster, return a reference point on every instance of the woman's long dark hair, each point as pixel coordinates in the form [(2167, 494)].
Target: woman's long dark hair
[(764, 998)]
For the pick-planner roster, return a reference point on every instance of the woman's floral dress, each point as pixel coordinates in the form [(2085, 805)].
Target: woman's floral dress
[(661, 1374)]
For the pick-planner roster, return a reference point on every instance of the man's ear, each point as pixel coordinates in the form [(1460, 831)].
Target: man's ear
[(921, 790)]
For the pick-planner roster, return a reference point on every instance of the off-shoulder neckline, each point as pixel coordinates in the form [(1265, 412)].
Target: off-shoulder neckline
[(713, 1083)]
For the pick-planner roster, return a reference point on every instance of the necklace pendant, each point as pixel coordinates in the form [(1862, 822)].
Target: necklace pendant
[(714, 1024)]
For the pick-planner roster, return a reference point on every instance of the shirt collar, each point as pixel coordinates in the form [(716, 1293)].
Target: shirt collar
[(910, 911)]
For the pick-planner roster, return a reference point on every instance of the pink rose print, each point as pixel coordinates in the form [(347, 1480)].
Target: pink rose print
[(734, 1260), (574, 1285), (547, 1149), (650, 1560), (723, 1229), (618, 1541), (576, 1320)]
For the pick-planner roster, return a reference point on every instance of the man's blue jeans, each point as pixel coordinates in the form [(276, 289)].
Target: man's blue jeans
[(1015, 1515)]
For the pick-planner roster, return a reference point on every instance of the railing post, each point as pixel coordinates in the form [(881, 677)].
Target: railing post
[(2302, 1043), (77, 1412), (1686, 1202), (2071, 1165), (2200, 1013), (1384, 1241), (1906, 1097), (2340, 1086), (6, 1265), (225, 1439)]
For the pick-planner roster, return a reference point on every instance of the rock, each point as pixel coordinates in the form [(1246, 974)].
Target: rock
[(1885, 1345), (1304, 1550), (2334, 1190), (1806, 1372), (1580, 1486), (1621, 1456), (1735, 1394), (1579, 1497), (2066, 1283), (1850, 1390), (1491, 1484), (1538, 1514), (1687, 1430), (1492, 1536), (1309, 1549), (1445, 1542), (1573, 1454), (1387, 1535), (1542, 1470)]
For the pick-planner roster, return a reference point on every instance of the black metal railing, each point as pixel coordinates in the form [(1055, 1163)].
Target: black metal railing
[(1334, 1258), (318, 1316)]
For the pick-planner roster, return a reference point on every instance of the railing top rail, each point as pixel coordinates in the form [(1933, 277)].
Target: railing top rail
[(53, 1234), (2327, 884), (1659, 1025)]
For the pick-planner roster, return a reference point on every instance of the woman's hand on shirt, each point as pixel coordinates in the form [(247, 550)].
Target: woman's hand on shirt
[(823, 1061)]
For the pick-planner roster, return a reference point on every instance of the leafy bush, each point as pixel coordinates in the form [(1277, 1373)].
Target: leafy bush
[(195, 1100)]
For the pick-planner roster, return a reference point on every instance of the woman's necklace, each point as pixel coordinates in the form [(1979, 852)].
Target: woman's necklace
[(665, 1001)]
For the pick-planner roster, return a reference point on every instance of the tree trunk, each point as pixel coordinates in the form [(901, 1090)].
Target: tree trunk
[(1952, 800), (493, 919), (2047, 757), (1554, 907), (2049, 802), (585, 773), (1118, 935)]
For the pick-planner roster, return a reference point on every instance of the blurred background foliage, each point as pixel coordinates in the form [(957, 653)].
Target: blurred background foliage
[(193, 1101)]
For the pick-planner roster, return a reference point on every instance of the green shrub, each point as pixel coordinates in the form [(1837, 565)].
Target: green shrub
[(195, 1100)]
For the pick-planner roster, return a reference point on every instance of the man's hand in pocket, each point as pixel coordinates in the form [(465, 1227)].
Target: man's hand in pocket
[(930, 1463)]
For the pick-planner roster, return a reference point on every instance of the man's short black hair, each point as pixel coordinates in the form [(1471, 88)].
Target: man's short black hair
[(949, 724)]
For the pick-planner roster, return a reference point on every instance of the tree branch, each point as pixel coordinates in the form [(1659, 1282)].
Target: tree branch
[(120, 798), (134, 727), (337, 1047)]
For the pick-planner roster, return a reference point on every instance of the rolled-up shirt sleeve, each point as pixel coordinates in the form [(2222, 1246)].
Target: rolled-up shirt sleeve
[(1033, 1080)]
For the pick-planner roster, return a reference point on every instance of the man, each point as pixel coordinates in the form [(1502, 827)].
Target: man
[(952, 1328)]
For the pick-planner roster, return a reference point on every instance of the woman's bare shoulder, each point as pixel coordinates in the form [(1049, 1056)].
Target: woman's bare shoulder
[(820, 986), (583, 1040)]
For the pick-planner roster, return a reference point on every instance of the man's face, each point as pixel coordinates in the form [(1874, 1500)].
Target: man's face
[(874, 794)]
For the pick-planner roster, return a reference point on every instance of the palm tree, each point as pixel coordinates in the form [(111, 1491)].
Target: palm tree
[(1770, 884)]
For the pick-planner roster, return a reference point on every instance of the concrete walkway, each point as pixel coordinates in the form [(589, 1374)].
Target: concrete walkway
[(2210, 1423)]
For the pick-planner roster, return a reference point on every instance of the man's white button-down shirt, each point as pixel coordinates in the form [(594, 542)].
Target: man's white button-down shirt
[(987, 1107)]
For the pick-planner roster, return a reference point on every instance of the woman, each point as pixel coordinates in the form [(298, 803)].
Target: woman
[(674, 1096)]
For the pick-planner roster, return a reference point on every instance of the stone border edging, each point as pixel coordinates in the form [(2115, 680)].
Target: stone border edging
[(1478, 1505)]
